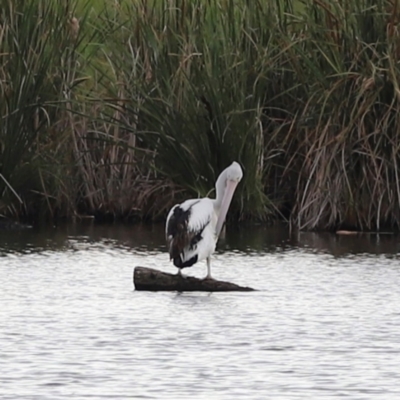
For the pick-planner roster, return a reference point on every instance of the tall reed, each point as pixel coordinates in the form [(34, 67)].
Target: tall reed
[(155, 97), (345, 135), (37, 41), (194, 82)]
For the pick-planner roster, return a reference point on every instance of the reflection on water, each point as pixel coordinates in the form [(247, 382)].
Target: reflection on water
[(323, 325), (254, 239), (59, 238), (261, 239)]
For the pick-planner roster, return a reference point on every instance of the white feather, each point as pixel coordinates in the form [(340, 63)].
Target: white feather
[(202, 217), (205, 247), (205, 216), (202, 211)]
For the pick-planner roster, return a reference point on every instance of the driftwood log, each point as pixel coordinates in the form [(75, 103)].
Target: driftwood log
[(154, 280)]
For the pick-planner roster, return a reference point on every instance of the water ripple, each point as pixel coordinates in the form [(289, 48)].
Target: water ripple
[(320, 326)]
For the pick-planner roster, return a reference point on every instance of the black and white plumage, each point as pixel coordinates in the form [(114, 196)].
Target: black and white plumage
[(193, 227)]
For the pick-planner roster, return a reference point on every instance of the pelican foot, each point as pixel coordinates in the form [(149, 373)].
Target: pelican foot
[(208, 277)]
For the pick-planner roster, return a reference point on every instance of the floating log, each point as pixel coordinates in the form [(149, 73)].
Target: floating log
[(154, 280), (344, 232)]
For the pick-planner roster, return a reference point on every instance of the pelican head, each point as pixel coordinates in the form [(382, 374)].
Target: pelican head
[(234, 172), (226, 186)]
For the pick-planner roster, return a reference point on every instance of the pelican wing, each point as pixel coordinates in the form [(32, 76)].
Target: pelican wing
[(201, 212), (185, 225)]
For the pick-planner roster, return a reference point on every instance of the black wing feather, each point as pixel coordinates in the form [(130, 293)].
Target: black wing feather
[(179, 237)]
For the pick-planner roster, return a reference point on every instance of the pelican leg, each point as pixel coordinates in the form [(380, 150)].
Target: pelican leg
[(180, 272), (208, 268)]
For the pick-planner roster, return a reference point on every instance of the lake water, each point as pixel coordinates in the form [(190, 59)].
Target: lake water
[(324, 323)]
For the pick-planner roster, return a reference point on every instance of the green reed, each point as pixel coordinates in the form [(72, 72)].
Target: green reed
[(157, 97), (37, 41), (346, 144)]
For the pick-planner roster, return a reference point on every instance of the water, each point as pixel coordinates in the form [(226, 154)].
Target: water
[(324, 323)]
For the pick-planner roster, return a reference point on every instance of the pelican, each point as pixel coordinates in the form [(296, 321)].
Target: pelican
[(193, 227)]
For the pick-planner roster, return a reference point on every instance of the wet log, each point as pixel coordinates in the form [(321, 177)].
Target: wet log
[(154, 280)]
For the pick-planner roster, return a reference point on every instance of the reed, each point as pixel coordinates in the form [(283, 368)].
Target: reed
[(156, 97), (346, 142), (193, 92), (37, 42)]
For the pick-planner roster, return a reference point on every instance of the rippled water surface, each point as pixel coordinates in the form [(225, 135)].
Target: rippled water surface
[(324, 323)]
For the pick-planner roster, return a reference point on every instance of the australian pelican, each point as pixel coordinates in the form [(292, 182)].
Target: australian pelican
[(193, 227)]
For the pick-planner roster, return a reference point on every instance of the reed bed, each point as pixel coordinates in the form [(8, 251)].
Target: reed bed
[(120, 109)]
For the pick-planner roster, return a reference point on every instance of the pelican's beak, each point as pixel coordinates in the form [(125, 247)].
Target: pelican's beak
[(226, 201)]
